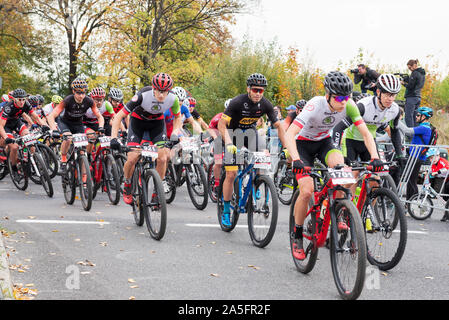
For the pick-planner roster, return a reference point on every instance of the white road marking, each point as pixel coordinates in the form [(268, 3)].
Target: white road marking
[(62, 222), (202, 225)]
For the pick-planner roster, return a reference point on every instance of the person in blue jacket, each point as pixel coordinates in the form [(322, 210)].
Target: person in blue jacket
[(421, 135)]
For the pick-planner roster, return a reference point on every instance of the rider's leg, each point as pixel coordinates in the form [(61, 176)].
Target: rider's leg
[(163, 156)]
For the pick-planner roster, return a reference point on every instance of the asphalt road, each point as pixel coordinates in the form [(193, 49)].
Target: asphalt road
[(64, 252)]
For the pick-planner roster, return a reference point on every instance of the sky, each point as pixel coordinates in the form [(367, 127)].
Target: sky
[(393, 31)]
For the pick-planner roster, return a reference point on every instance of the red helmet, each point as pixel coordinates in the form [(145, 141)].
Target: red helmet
[(97, 93), (162, 82), (192, 102)]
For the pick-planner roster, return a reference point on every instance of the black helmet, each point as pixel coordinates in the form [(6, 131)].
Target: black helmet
[(338, 83), (40, 98), (19, 93), (256, 79), (300, 104), (33, 100)]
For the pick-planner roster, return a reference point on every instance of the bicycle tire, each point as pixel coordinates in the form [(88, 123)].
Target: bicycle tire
[(171, 181), (382, 230), (138, 208), (50, 159), (413, 209), (211, 183), (111, 179), (45, 179), (388, 183), (23, 176), (85, 188), (278, 183), (157, 231), (357, 252), (198, 174), (263, 241), (309, 240), (3, 165), (69, 183), (234, 203)]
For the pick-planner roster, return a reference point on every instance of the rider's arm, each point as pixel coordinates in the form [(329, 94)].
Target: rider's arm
[(37, 119), (2, 128), (116, 122), (396, 136), (27, 119), (203, 124), (98, 115), (290, 140), (410, 132), (223, 129), (54, 114)]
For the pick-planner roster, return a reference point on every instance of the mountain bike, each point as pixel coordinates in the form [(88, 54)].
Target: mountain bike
[(383, 218), (347, 247), (254, 194), (77, 173), (284, 180), (104, 171)]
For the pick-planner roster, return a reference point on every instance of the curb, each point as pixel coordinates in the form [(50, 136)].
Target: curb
[(6, 291)]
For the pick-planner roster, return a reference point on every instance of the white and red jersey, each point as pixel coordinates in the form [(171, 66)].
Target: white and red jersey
[(441, 166)]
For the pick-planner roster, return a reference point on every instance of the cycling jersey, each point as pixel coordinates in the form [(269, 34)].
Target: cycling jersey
[(214, 122), (12, 115), (74, 111), (317, 119), (105, 110), (118, 108), (48, 108), (145, 106), (170, 117), (243, 113)]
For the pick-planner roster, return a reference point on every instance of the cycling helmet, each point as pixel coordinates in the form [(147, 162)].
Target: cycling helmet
[(180, 93), (56, 99), (300, 104), (338, 84), (227, 102), (256, 79), (426, 111), (116, 94), (33, 100), (97, 93), (40, 99), (5, 98), (388, 83), (192, 102), (19, 93), (162, 82), (432, 152), (79, 84)]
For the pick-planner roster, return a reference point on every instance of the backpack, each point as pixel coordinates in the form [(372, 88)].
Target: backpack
[(432, 141)]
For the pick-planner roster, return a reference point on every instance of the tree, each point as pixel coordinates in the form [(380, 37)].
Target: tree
[(77, 18)]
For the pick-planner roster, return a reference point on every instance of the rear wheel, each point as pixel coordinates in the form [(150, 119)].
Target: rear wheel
[(171, 181), (137, 205), (42, 173), (50, 159), (234, 216), (111, 179), (211, 183), (18, 177), (197, 185), (283, 179), (69, 183), (85, 182), (420, 206)]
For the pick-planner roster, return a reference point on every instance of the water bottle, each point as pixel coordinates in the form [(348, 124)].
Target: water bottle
[(356, 195)]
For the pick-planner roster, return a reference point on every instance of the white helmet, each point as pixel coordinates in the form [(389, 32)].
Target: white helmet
[(388, 83), (226, 104), (180, 93), (5, 98)]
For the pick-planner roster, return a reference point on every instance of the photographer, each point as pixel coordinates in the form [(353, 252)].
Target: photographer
[(413, 89), (367, 76)]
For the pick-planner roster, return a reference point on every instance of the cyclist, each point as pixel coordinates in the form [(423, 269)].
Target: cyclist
[(294, 111), (10, 122), (75, 107), (116, 99), (104, 107), (147, 109), (241, 116), (55, 101), (312, 127), (190, 102)]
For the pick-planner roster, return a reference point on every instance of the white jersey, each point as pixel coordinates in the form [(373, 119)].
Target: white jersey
[(373, 116), (47, 109), (316, 120)]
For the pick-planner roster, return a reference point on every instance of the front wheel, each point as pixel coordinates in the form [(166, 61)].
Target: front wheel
[(197, 185), (19, 176), (69, 183), (111, 179), (283, 179), (42, 172), (348, 250), (262, 211), (234, 215), (170, 178), (420, 206), (155, 204), (85, 182)]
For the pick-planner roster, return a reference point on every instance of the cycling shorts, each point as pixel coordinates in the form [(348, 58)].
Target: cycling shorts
[(146, 131), (16, 126), (356, 149), (310, 150), (72, 127)]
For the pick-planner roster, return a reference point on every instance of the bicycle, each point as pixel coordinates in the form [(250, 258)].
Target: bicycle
[(345, 245), (77, 173), (148, 194), (29, 163), (283, 180), (383, 218), (104, 171), (49, 157), (420, 205), (252, 195), (3, 163)]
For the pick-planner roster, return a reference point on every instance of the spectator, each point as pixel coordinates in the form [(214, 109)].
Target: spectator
[(367, 76), (440, 167), (422, 135), (413, 89)]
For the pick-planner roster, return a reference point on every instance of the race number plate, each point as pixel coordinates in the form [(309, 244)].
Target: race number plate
[(29, 139), (149, 151), (189, 145), (105, 141), (341, 176), (80, 140), (262, 160)]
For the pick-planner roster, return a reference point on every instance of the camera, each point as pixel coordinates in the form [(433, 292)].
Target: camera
[(403, 76), (355, 71)]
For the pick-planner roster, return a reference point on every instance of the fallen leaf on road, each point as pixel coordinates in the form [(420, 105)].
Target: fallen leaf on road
[(134, 287), (85, 272), (104, 244), (213, 242), (31, 217), (430, 278), (229, 252), (385, 274), (132, 298), (131, 280), (214, 275), (29, 285), (153, 251), (55, 231), (77, 240)]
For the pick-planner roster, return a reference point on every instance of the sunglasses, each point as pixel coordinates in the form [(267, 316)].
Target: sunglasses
[(341, 98), (254, 90), (80, 92), (21, 99)]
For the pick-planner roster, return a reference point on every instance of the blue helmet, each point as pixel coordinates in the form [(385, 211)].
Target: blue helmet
[(432, 152), (426, 111)]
